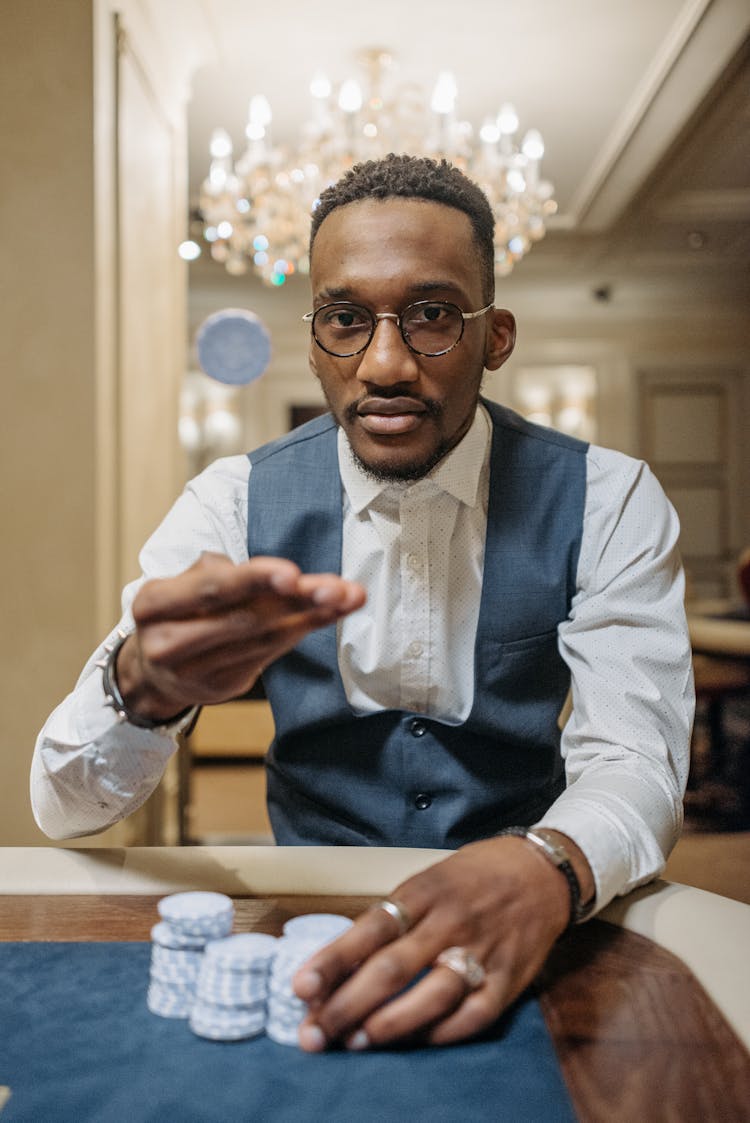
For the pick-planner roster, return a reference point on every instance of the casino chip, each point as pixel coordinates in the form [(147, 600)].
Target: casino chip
[(209, 915), (166, 936), (233, 346), (317, 923), (303, 936), (177, 942), (232, 987)]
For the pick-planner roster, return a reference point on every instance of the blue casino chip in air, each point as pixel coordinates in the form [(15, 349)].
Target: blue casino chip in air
[(233, 346)]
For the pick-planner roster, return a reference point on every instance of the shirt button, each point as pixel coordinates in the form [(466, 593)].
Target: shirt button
[(417, 728), (422, 801), (414, 563), (415, 649)]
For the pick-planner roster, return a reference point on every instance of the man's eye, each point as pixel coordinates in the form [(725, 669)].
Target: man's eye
[(425, 314), (343, 318)]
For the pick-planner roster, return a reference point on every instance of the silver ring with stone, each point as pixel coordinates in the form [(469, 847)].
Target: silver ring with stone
[(463, 964), (398, 912)]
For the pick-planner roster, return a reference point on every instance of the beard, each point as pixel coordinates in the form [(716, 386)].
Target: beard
[(408, 471), (403, 471)]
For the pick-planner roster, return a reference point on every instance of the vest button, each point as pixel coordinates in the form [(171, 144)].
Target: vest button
[(422, 801), (417, 728)]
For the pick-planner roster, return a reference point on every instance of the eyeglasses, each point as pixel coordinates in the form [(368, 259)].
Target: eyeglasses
[(429, 327)]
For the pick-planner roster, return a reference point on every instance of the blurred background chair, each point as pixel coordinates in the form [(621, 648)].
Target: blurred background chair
[(720, 635)]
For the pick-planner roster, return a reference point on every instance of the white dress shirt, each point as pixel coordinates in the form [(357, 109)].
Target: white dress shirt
[(419, 549)]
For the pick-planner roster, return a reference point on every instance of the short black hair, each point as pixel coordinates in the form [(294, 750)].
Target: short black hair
[(416, 177)]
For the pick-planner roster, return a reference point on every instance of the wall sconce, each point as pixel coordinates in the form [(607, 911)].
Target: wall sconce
[(562, 397), (209, 424)]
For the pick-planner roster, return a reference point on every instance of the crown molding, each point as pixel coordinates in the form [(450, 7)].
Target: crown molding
[(698, 48)]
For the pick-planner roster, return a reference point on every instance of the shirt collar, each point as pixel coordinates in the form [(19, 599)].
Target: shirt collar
[(458, 474)]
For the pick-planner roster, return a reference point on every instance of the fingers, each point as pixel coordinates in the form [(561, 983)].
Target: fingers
[(256, 630), (253, 631), (205, 635), (477, 1012), (358, 1006), (194, 663), (214, 585), (380, 1003), (331, 966), (438, 1009)]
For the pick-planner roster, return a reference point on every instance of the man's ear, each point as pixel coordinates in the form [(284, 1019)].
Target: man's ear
[(312, 358), (501, 338)]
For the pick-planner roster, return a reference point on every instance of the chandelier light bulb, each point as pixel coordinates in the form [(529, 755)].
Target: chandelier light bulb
[(320, 85), (259, 111), (489, 132), (533, 145), (507, 119), (189, 250), (221, 144), (350, 96), (516, 181), (444, 95)]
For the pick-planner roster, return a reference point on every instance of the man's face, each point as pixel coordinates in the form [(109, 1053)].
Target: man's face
[(402, 412)]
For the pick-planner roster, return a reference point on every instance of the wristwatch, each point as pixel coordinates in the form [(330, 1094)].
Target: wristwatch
[(555, 852), (115, 699)]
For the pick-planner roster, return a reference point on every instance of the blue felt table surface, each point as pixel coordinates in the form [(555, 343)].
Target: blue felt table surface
[(78, 1044)]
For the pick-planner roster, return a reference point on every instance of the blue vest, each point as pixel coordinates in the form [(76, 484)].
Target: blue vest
[(402, 779)]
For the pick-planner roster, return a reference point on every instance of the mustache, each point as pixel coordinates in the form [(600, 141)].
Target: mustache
[(428, 405)]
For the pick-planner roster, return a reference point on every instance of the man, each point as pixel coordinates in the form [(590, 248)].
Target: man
[(485, 563)]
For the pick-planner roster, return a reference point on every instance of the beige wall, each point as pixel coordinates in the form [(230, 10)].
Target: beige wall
[(92, 134), (47, 365)]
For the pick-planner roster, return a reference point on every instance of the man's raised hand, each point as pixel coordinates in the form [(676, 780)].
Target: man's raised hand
[(204, 636)]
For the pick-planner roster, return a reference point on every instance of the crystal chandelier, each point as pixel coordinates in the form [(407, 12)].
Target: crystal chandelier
[(255, 211)]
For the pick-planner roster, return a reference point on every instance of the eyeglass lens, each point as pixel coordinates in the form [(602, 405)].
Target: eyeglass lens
[(428, 327)]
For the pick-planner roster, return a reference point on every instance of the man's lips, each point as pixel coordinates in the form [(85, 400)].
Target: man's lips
[(391, 416), (389, 407)]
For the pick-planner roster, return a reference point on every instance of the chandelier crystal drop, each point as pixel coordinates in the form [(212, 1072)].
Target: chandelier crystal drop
[(255, 211)]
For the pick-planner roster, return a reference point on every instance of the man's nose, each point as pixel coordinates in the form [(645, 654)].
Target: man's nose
[(388, 359)]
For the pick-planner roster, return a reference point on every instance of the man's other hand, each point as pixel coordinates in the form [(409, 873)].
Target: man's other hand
[(499, 899)]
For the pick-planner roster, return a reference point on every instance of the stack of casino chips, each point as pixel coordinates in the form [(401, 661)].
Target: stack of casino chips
[(188, 921), (232, 986), (302, 937)]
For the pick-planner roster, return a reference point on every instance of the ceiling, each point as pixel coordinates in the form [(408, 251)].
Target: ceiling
[(644, 105)]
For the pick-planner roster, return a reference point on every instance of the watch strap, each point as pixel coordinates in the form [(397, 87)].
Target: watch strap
[(557, 855), (115, 698)]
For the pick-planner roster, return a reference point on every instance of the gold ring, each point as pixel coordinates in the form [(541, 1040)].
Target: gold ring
[(398, 912), (464, 964)]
